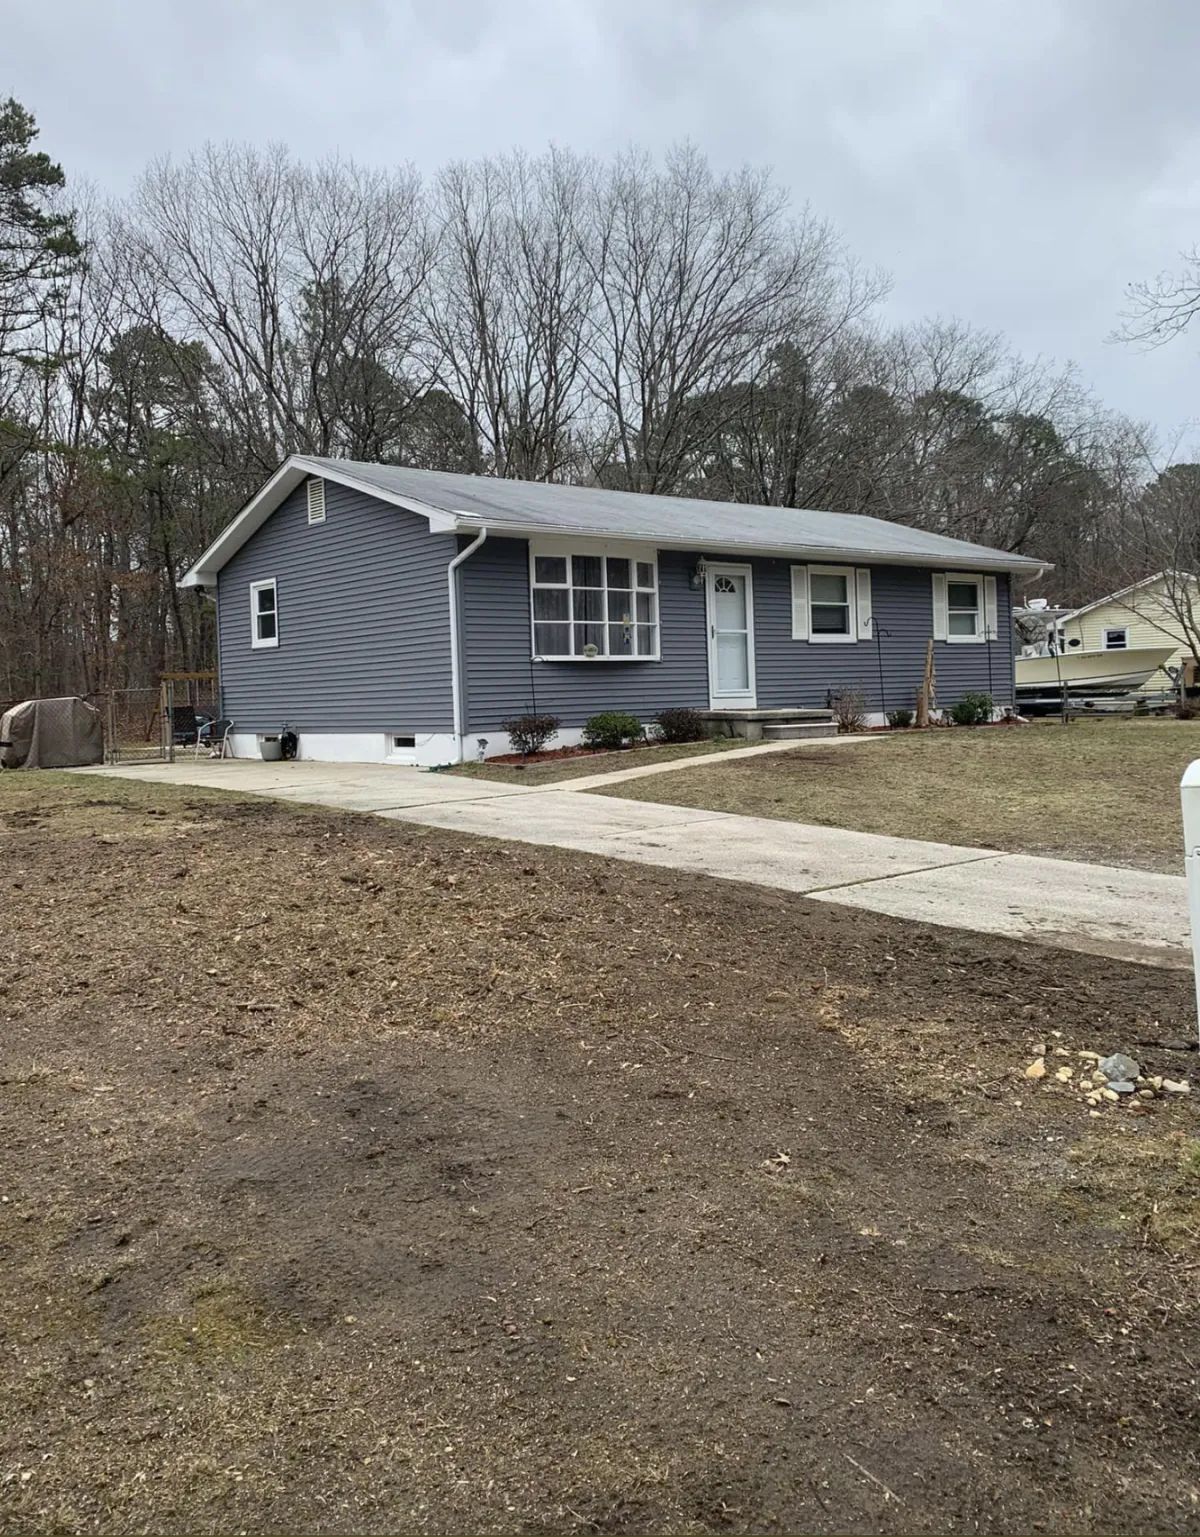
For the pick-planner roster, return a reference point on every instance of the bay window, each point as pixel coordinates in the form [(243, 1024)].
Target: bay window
[(590, 604)]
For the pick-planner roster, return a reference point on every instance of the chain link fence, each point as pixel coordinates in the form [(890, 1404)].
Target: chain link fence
[(149, 725)]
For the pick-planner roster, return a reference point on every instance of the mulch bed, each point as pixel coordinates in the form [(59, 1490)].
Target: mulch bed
[(358, 1177)]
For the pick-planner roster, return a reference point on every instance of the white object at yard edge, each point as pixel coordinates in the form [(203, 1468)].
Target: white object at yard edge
[(1189, 789)]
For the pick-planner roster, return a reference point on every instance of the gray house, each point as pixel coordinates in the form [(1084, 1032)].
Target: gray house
[(397, 615)]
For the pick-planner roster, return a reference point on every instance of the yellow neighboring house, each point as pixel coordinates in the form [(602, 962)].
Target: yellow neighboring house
[(1141, 615)]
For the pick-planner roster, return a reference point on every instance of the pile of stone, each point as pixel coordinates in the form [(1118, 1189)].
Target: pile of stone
[(1107, 1080)]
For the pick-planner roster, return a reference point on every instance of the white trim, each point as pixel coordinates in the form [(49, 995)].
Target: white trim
[(991, 610), (1116, 629), (257, 641), (851, 605), (748, 698), (563, 549), (979, 635)]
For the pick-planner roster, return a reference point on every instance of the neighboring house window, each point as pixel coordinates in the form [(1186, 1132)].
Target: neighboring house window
[(1116, 640), (264, 614), (964, 608), (831, 604), (589, 605)]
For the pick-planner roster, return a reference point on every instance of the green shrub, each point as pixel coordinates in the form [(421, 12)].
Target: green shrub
[(972, 710), (530, 733), (899, 720), (611, 729), (681, 724)]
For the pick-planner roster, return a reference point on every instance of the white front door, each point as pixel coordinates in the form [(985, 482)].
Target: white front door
[(730, 593)]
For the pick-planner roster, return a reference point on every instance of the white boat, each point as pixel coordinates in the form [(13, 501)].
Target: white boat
[(1089, 674)]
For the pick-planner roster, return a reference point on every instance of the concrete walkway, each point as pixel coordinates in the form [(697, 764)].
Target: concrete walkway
[(1099, 909)]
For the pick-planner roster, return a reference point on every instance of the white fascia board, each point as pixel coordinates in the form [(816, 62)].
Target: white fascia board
[(470, 523), (291, 473)]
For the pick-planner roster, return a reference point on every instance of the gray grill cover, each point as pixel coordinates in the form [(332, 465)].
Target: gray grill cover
[(51, 733)]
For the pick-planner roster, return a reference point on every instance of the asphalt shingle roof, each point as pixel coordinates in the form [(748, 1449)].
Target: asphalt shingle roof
[(596, 511)]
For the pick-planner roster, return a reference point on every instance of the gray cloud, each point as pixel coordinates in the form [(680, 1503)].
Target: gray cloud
[(1013, 163)]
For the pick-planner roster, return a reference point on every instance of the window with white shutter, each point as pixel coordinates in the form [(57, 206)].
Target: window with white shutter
[(316, 501)]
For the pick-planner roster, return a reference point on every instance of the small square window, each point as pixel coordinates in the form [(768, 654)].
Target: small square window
[(1116, 639)]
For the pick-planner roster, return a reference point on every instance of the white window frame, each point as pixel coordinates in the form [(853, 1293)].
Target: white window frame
[(1116, 629), (558, 549), (979, 636), (257, 641), (851, 634)]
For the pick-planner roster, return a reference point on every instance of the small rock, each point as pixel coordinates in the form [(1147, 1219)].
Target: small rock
[(1110, 1094), (1176, 1086), (1121, 1086), (1156, 1082), (1146, 1094), (1089, 1056), (1037, 1068), (1119, 1066), (1063, 1074), (1039, 1050)]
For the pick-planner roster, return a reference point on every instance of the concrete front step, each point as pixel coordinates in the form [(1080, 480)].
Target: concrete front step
[(795, 731)]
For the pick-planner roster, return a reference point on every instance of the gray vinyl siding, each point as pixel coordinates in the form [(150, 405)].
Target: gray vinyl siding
[(501, 680), (364, 631)]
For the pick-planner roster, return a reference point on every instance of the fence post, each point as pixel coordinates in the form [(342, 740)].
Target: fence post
[(167, 700), (1189, 790)]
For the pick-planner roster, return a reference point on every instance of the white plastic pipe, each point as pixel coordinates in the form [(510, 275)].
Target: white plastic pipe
[(456, 692), (1189, 790)]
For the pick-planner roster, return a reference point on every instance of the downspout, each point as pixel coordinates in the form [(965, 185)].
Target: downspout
[(456, 688)]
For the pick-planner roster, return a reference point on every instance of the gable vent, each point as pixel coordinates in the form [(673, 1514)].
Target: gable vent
[(316, 501)]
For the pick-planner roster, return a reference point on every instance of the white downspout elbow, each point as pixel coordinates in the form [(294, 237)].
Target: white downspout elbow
[(456, 668)]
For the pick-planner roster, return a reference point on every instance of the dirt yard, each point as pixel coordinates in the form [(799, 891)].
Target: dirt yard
[(551, 769), (360, 1178), (1096, 790)]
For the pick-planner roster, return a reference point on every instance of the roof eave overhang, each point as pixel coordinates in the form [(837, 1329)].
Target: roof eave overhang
[(1022, 564), (298, 467)]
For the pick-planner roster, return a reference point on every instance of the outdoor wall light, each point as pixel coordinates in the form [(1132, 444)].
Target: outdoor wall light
[(696, 579)]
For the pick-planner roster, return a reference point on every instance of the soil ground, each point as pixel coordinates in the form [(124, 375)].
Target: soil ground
[(1106, 791), (360, 1178), (550, 767)]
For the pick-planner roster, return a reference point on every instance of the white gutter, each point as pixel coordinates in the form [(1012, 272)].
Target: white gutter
[(456, 691)]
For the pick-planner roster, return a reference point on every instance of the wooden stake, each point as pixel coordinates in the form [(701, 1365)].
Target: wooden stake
[(925, 699)]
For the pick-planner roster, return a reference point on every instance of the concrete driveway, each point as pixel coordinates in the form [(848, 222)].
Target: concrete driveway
[(1099, 909)]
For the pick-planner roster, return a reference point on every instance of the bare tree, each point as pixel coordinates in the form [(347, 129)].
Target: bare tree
[(698, 279), (508, 306)]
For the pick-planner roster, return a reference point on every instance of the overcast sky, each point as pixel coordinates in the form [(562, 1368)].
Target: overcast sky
[(1012, 162)]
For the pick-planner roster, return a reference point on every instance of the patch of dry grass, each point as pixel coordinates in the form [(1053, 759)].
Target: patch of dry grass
[(1096, 790)]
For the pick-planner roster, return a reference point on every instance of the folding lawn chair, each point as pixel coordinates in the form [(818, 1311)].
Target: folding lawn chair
[(216, 739)]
